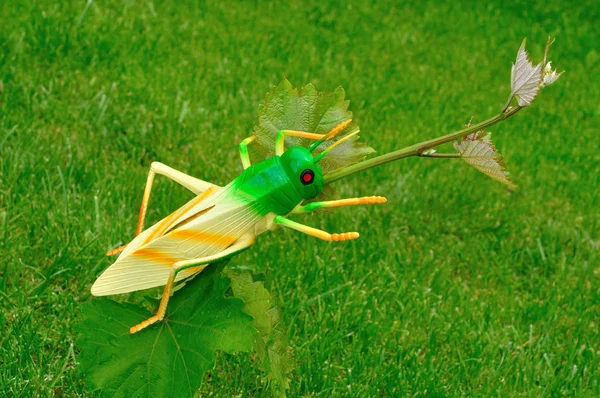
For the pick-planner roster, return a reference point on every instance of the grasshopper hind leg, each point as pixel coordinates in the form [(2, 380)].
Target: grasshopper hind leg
[(195, 185), (199, 263)]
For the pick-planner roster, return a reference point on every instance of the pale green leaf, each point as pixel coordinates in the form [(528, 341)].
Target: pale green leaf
[(525, 78), (270, 340), (478, 150), (549, 75)]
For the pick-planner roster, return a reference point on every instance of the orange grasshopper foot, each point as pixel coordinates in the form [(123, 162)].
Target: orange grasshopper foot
[(142, 325), (371, 200), (344, 236), (116, 251)]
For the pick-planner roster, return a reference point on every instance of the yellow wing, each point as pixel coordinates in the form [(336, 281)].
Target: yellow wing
[(203, 227)]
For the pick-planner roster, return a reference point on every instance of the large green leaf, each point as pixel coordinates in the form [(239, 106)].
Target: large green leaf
[(270, 340), (306, 109), (167, 359)]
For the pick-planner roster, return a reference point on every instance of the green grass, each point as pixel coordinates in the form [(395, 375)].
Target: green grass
[(455, 288)]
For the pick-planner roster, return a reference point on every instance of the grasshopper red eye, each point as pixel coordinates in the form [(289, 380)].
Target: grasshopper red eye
[(307, 177)]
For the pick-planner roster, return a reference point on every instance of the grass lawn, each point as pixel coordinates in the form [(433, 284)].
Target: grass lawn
[(456, 287)]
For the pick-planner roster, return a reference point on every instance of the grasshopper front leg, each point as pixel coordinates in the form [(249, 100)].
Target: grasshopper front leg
[(365, 200), (317, 233), (281, 134), (243, 148), (201, 263)]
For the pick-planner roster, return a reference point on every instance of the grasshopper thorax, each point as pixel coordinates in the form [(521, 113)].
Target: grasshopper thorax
[(303, 171)]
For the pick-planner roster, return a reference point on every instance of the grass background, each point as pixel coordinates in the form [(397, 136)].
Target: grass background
[(456, 287)]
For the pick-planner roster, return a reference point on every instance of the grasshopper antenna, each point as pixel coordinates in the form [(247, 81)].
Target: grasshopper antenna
[(334, 131), (338, 142)]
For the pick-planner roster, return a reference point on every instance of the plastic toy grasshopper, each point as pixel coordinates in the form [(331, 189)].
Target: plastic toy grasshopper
[(223, 221)]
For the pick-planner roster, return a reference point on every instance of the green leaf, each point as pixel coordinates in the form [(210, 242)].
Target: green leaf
[(171, 357), (306, 109), (478, 150), (270, 340)]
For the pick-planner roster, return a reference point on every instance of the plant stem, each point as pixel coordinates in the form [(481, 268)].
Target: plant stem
[(417, 149), (505, 107), (439, 155)]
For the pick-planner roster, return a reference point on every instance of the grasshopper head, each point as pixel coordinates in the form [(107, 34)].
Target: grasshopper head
[(303, 170)]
